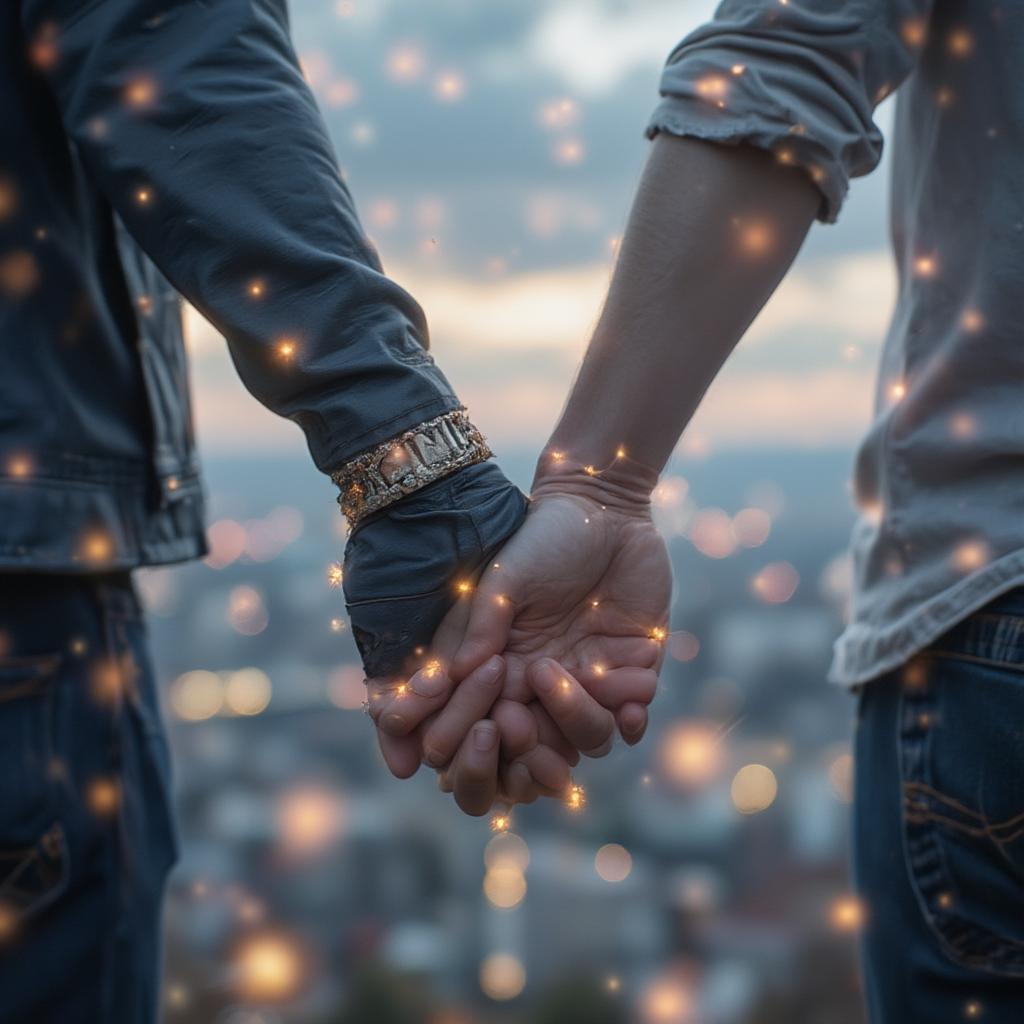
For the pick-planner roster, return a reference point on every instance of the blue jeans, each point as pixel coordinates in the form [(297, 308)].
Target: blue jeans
[(86, 834), (939, 827)]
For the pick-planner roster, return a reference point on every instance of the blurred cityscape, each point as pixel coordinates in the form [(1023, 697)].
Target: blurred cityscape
[(704, 881)]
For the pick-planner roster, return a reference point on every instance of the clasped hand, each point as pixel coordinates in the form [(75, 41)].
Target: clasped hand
[(556, 647)]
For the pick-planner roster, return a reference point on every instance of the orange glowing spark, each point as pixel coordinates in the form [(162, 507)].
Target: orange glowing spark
[(286, 350), (335, 574), (925, 266), (501, 823), (432, 668), (756, 238), (268, 968), (960, 42), (337, 625), (598, 669), (972, 321), (19, 466), (658, 633), (43, 52), (97, 548), (576, 798), (846, 914), (620, 452), (738, 69), (897, 391), (972, 1009), (914, 32), (713, 87), (256, 289), (143, 196), (591, 471), (449, 86), (102, 797), (140, 92), (464, 586), (557, 456), (402, 689), (8, 921), (569, 151)]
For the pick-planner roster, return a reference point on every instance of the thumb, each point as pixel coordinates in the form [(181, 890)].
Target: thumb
[(491, 612)]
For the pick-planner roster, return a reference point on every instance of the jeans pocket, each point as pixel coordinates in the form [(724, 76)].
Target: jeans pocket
[(961, 760), (33, 851)]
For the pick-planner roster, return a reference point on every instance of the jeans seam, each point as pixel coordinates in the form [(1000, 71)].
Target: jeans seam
[(923, 853)]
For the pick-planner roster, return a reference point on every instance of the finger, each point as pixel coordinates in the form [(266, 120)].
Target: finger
[(401, 754), (516, 726), (632, 722), (470, 701), (613, 687), (475, 772), (491, 612), (620, 651), (548, 734), (517, 784), (589, 727), (406, 706), (444, 780), (549, 772)]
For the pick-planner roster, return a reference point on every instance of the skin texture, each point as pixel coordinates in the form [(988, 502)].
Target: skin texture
[(712, 231)]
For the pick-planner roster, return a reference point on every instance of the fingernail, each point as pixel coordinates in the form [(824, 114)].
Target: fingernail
[(433, 758), (490, 670), (485, 735), (392, 723), (545, 679), (429, 684)]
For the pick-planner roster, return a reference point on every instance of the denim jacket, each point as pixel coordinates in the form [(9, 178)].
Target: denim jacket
[(151, 148)]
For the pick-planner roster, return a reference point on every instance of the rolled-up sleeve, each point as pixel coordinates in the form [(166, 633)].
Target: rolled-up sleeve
[(798, 79)]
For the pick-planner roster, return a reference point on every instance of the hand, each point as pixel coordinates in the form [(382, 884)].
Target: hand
[(582, 543)]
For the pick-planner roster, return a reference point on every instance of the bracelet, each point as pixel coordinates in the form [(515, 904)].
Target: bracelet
[(404, 464)]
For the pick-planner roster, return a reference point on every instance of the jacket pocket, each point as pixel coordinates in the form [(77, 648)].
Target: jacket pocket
[(962, 774)]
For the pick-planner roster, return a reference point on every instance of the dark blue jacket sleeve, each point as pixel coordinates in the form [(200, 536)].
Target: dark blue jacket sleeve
[(195, 122)]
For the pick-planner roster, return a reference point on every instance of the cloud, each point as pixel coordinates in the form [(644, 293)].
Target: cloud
[(593, 47), (802, 376)]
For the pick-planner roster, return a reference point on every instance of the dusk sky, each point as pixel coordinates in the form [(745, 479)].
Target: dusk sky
[(492, 149)]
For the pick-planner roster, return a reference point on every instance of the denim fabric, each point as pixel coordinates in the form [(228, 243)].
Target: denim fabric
[(402, 564), (939, 826), (86, 833)]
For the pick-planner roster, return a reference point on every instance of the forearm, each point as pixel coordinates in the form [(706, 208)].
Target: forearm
[(712, 231)]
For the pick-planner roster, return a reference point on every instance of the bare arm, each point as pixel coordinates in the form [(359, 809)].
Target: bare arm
[(713, 230)]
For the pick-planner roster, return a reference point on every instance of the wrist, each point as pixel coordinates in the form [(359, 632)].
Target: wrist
[(618, 483)]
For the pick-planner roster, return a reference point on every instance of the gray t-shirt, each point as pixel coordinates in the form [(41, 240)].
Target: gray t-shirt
[(939, 478)]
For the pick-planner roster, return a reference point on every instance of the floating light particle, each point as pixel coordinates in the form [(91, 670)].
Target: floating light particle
[(268, 967), (659, 633), (960, 43), (464, 587), (337, 625), (576, 798), (557, 456), (97, 548), (19, 467), (569, 152), (144, 304), (897, 390), (613, 863), (502, 977), (972, 1009), (738, 69), (962, 425), (140, 92), (691, 753), (925, 266), (501, 822), (914, 32), (972, 321), (598, 669), (775, 583), (143, 195), (847, 914), (449, 86), (971, 555), (753, 789), (335, 574), (102, 796), (712, 87), (756, 238), (620, 452), (405, 63), (612, 983), (256, 289), (559, 113), (944, 97)]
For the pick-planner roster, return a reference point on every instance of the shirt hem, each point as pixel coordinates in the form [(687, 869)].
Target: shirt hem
[(863, 653)]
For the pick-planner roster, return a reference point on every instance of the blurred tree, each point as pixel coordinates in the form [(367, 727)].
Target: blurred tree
[(578, 1000), (384, 997)]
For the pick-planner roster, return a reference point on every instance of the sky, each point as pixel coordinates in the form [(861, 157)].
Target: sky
[(492, 150)]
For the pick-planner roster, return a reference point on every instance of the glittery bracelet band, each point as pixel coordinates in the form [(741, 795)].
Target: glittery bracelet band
[(406, 463)]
